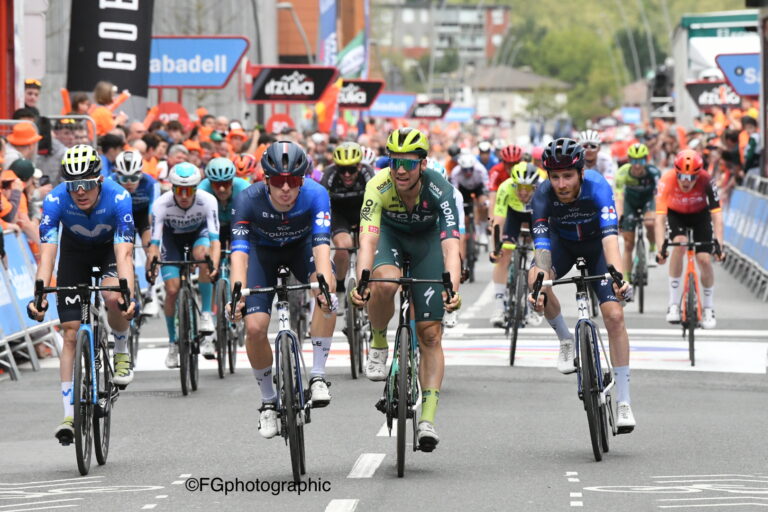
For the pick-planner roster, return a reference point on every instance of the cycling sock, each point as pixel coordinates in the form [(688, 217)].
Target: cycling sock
[(560, 327), (206, 293), (121, 341), (66, 397), (340, 286), (499, 290), (379, 338), (170, 323), (264, 379), (675, 290), (621, 374), (708, 297), (321, 347), (429, 398)]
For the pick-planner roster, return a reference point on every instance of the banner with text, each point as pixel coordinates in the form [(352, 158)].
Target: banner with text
[(430, 110), (327, 39), (290, 84), (359, 94), (392, 104), (713, 94)]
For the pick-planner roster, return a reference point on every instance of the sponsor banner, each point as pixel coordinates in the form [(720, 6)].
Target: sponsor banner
[(195, 61), (713, 94), (742, 72), (631, 115), (460, 114), (488, 121), (392, 104), (359, 94), (277, 122), (110, 41), (746, 225), (327, 39), (351, 62), (172, 111), (430, 109), (290, 84)]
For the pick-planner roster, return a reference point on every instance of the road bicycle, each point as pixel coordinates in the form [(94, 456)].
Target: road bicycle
[(402, 390), (293, 403), (594, 385), (356, 327), (229, 335), (640, 261), (187, 313), (690, 310), (93, 392), (472, 251)]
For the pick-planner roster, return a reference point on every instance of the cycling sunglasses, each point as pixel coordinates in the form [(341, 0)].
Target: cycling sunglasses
[(347, 170), (525, 188), (687, 177), (183, 191), (408, 164), (129, 179), (590, 146), (222, 184), (86, 185), (637, 161), (279, 181)]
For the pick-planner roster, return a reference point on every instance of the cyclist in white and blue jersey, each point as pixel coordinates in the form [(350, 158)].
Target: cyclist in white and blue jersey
[(574, 215), (221, 181), (96, 231), (186, 216), (285, 220)]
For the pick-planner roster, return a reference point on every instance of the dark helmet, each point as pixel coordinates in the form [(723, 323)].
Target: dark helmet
[(453, 150), (563, 154), (284, 157)]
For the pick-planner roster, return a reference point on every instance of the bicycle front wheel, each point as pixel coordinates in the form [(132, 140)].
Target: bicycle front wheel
[(82, 390), (102, 417), (691, 316), (237, 339), (290, 403), (589, 387), (222, 326), (403, 342), (641, 274), (183, 340), (518, 312), (353, 334)]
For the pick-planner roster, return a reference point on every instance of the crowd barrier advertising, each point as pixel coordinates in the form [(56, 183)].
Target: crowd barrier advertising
[(746, 225)]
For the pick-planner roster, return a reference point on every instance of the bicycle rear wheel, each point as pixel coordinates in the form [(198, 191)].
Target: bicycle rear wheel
[(589, 387), (641, 274), (606, 428), (222, 326), (691, 316), (102, 417), (403, 342), (290, 403), (82, 390), (194, 350), (350, 316), (182, 338)]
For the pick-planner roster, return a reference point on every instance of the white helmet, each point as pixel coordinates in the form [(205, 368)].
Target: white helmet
[(184, 174), (467, 161), (80, 162), (590, 137), (435, 165), (129, 163), (499, 144), (369, 156), (484, 147)]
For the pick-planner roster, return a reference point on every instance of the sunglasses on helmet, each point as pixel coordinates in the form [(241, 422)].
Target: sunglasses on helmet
[(347, 169), (279, 181), (129, 179), (183, 191), (687, 177), (408, 164), (86, 185)]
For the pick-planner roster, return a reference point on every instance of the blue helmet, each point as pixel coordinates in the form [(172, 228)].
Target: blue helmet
[(184, 174), (220, 169), (435, 165)]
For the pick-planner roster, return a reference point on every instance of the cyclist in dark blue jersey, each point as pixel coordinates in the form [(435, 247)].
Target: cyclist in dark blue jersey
[(97, 230), (284, 220), (574, 215), (144, 190)]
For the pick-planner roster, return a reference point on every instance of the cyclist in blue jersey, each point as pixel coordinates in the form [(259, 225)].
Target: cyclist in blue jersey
[(221, 181), (97, 230), (144, 189), (284, 220), (486, 156), (574, 215), (186, 216)]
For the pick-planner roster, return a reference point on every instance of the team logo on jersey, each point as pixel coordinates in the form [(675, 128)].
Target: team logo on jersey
[(45, 220), (435, 190), (128, 218), (608, 213), (122, 196), (240, 229), (52, 198), (71, 300), (540, 229), (323, 219)]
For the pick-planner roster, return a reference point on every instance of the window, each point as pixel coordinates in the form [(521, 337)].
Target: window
[(408, 41), (497, 16), (424, 15), (425, 41), (408, 16)]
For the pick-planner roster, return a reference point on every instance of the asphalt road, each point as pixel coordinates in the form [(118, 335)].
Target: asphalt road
[(511, 438)]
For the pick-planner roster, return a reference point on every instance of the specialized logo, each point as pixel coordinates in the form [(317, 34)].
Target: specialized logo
[(323, 219), (295, 84), (428, 294), (608, 213)]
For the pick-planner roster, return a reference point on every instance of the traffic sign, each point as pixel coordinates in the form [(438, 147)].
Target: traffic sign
[(201, 62), (742, 71)]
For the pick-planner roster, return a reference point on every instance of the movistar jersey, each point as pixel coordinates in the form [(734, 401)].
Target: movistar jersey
[(637, 191), (591, 216), (256, 222), (110, 220), (145, 194), (435, 208), (225, 210)]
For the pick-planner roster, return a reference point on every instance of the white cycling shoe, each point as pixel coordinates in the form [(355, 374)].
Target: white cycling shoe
[(625, 421), (318, 390), (268, 420), (376, 366), (427, 436), (673, 314), (708, 320), (206, 322), (450, 319), (151, 309), (565, 359), (497, 320), (208, 348), (172, 359)]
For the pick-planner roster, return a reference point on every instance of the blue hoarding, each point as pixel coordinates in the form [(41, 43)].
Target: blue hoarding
[(392, 105), (742, 71), (202, 62)]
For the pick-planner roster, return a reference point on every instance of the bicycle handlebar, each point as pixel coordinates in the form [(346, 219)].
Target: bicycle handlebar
[(238, 291), (690, 245), (41, 290), (365, 278), (612, 274), (155, 262)]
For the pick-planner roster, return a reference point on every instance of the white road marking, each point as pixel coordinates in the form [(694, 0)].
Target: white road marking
[(721, 498), (149, 506), (576, 495), (342, 506), (366, 465), (177, 482), (161, 496), (185, 475), (707, 476), (577, 503), (82, 479), (574, 480), (39, 502), (699, 505), (384, 431), (571, 473), (40, 508)]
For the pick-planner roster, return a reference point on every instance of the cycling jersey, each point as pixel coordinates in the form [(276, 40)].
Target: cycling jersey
[(111, 219), (225, 210), (591, 216), (203, 214), (497, 175), (436, 206), (506, 197), (703, 194), (145, 194), (345, 198), (637, 190), (256, 222), (492, 160), (604, 165), (476, 179)]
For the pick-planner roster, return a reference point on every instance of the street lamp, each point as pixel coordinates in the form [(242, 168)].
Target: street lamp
[(289, 6)]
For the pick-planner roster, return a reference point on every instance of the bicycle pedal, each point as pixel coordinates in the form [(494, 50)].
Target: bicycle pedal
[(381, 405), (624, 430), (121, 387)]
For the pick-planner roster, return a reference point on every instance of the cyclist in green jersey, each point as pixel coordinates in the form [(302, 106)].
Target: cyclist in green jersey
[(635, 188), (408, 209)]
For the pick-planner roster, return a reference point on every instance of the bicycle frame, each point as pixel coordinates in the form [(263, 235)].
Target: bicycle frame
[(690, 270)]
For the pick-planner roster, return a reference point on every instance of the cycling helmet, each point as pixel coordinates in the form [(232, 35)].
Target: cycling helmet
[(435, 165), (80, 162), (347, 154), (637, 151), (408, 140), (525, 174), (369, 155), (590, 137), (467, 161), (499, 144), (129, 163), (563, 154), (453, 150), (220, 169), (484, 147), (286, 158), (688, 162), (537, 152), (245, 165), (512, 154), (184, 174)]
